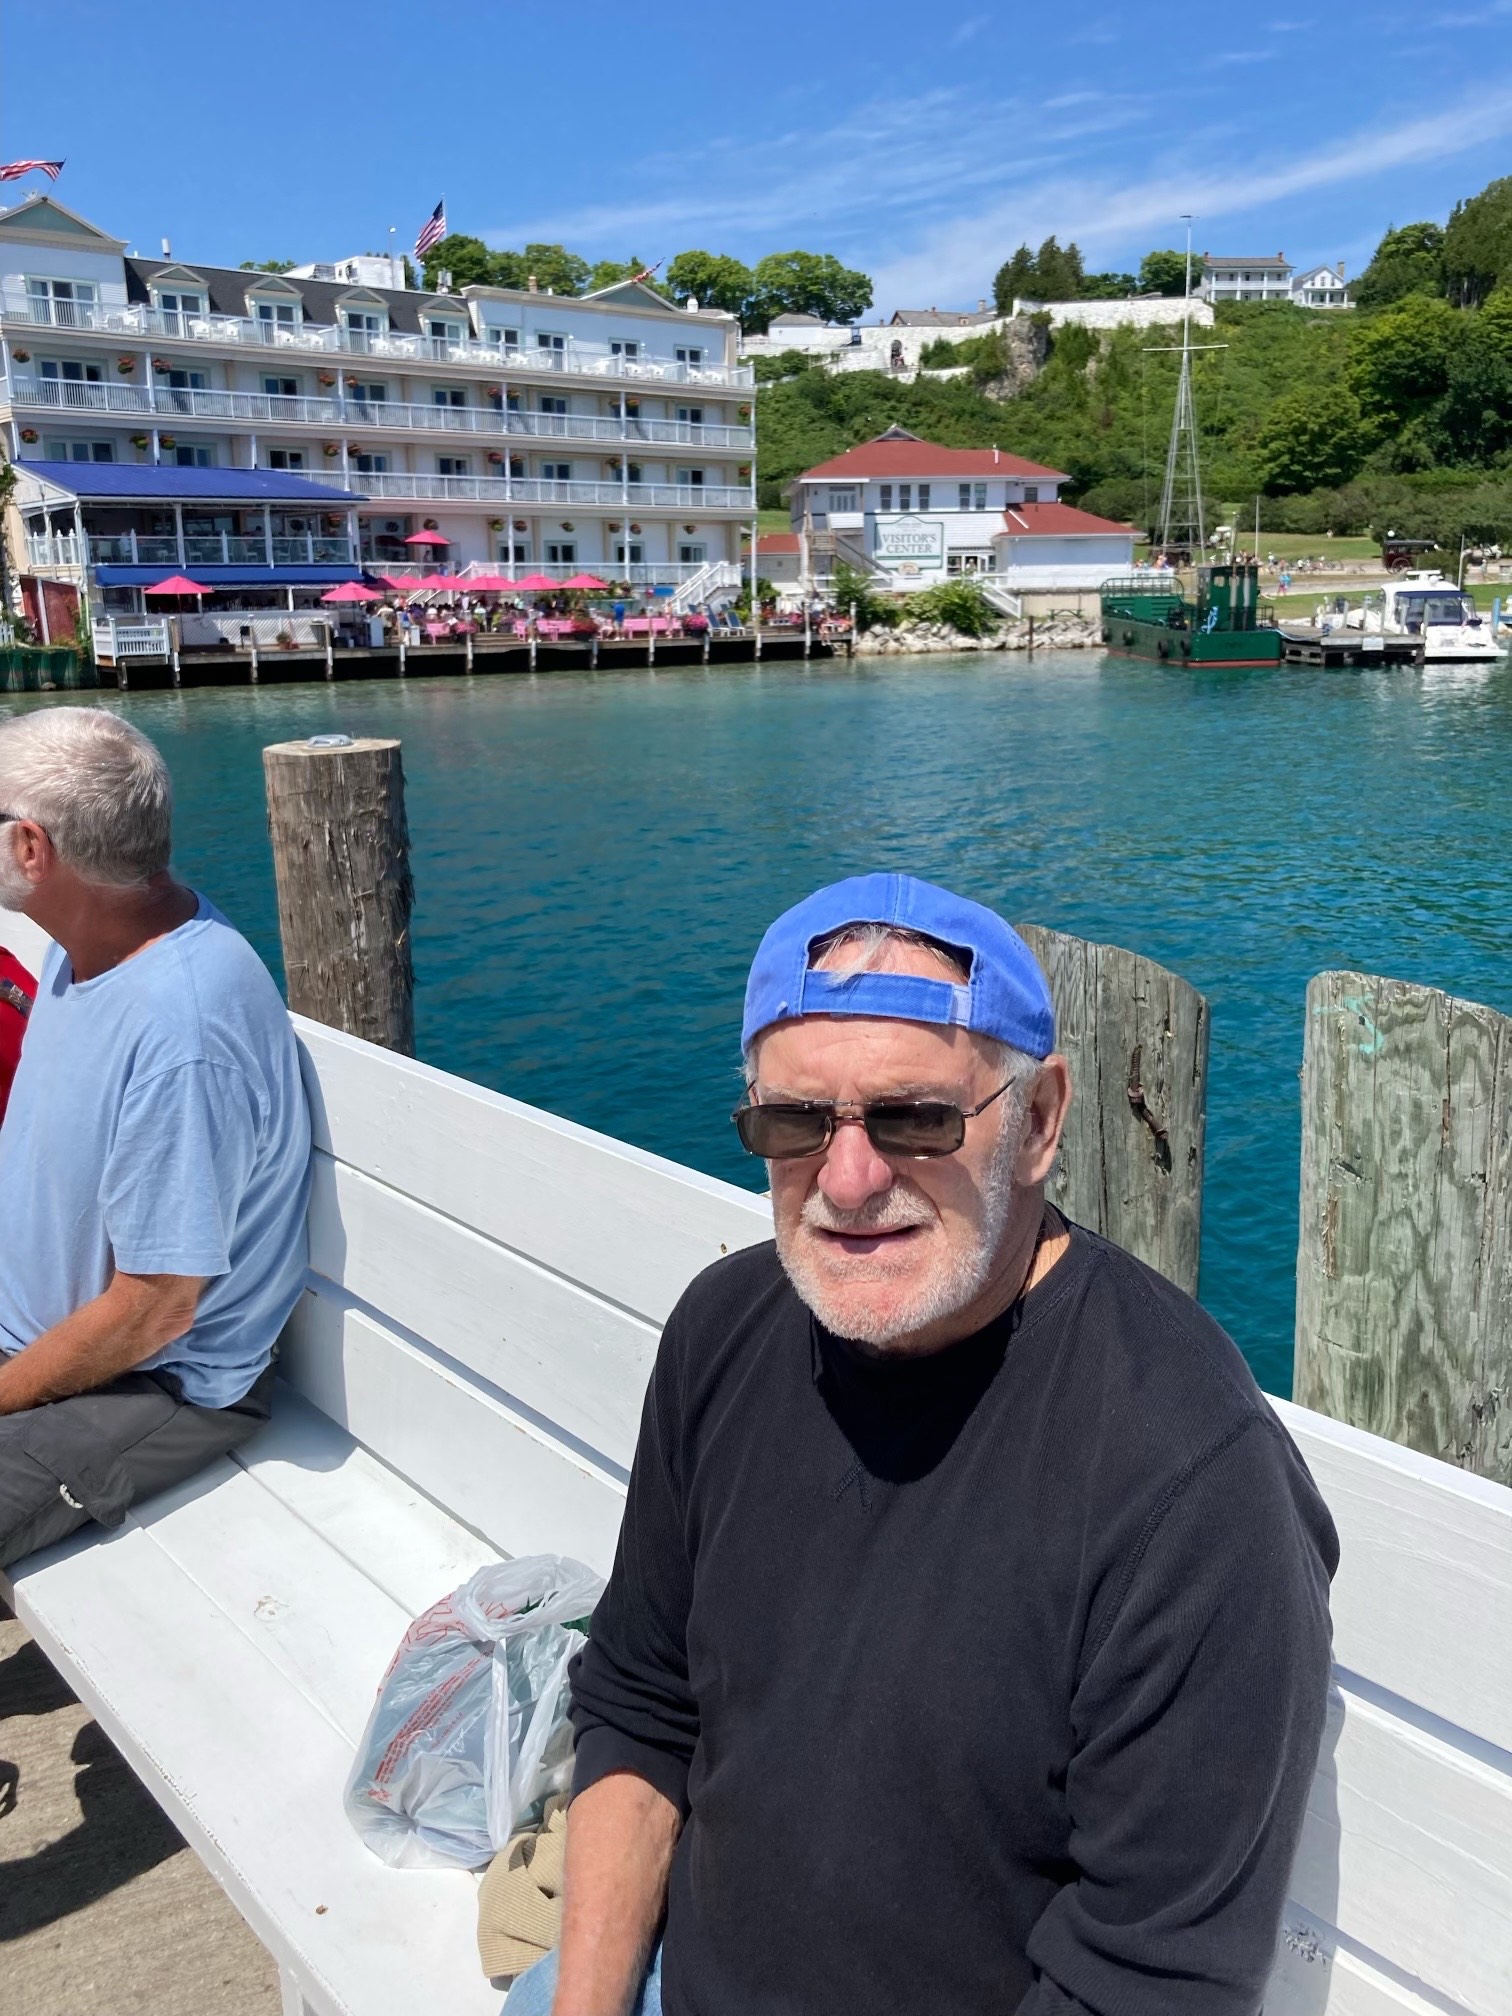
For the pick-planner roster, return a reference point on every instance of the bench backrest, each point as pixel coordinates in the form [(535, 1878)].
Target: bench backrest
[(488, 1283)]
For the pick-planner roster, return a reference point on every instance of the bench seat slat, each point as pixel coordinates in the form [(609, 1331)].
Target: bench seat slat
[(1315, 1976), (557, 1347), (633, 1227), (251, 1771)]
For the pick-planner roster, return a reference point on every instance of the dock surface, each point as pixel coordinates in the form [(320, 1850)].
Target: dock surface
[(1337, 650)]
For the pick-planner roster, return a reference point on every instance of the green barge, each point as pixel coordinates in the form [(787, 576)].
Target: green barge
[(1225, 625)]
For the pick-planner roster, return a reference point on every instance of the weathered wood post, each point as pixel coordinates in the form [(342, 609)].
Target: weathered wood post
[(1404, 1262), (341, 863), (1131, 1158)]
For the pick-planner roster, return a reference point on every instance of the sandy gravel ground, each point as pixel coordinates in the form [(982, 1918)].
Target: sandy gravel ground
[(103, 1909)]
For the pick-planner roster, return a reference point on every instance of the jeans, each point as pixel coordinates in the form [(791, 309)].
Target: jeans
[(532, 1992)]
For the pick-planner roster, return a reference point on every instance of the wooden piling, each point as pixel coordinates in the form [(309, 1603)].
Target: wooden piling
[(341, 864), (330, 656), (1404, 1261), (1131, 1158)]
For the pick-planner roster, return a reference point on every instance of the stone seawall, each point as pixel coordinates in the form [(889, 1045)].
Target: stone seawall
[(1067, 633)]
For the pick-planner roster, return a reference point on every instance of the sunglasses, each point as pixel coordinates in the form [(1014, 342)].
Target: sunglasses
[(918, 1129)]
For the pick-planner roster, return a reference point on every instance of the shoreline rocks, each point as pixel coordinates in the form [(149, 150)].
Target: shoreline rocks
[(1051, 633)]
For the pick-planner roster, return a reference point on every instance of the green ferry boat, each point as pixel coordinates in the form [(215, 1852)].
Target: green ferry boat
[(1223, 626)]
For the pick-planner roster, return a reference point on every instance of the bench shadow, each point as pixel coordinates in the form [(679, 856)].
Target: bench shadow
[(120, 1835)]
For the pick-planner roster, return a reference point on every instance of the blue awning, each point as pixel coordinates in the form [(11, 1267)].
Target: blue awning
[(229, 577), (139, 483)]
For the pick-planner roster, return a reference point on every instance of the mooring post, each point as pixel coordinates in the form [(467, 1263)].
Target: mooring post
[(708, 632), (253, 650), (1131, 1158), (330, 656), (467, 640), (1031, 634), (807, 640), (593, 652), (650, 640), (1404, 1258), (403, 648), (341, 866), (532, 647)]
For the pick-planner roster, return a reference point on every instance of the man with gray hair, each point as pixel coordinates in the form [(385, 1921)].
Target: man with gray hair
[(155, 1158), (967, 1643)]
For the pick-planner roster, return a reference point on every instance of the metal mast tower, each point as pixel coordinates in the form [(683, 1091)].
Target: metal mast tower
[(1181, 513)]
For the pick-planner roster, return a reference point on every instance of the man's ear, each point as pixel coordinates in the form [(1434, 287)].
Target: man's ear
[(1049, 1103)]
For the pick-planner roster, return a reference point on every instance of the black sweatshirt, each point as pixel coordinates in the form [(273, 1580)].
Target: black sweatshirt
[(989, 1681)]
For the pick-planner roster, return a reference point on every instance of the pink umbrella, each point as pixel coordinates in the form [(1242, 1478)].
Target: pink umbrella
[(490, 584), (538, 584), (427, 539), (352, 591), (585, 581), (428, 584), (178, 584)]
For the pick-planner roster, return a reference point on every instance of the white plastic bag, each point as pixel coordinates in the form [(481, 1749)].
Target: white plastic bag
[(469, 1735)]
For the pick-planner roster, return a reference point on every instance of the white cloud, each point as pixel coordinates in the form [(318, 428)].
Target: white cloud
[(968, 30)]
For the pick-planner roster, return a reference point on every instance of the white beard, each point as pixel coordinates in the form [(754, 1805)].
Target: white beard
[(948, 1287)]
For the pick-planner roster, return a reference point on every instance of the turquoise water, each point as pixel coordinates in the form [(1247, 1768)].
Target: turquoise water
[(596, 856)]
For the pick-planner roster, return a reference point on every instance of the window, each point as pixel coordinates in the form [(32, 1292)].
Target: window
[(362, 325), (556, 345), (557, 472), (691, 479), (685, 355), (553, 405), (968, 563), (177, 310), (885, 503), (506, 339), (181, 384), (448, 395), (905, 496), (963, 497), (369, 395), (692, 555), (513, 549), (370, 465), (194, 458), (624, 349), (691, 416), (69, 371), (452, 465), (979, 497), (843, 500), (286, 458), (563, 552), (445, 332), (276, 315), (631, 555), (923, 496), (281, 388), (78, 451), (1031, 493), (68, 303)]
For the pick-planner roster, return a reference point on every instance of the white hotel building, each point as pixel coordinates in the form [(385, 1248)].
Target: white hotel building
[(261, 430)]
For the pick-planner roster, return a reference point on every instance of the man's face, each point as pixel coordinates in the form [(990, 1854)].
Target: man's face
[(886, 1250)]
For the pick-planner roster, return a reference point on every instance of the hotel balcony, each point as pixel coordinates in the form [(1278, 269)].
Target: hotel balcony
[(269, 409), (215, 549), (574, 359), (692, 499)]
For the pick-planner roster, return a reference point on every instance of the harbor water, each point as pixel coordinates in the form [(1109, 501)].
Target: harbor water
[(595, 858)]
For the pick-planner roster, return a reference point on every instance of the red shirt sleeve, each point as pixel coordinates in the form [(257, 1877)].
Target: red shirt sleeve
[(12, 1021)]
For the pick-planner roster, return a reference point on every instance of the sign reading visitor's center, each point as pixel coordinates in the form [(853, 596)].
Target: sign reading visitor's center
[(901, 539)]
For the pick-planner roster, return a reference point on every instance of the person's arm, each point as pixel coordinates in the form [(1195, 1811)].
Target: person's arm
[(137, 1315), (1195, 1720), (620, 1837)]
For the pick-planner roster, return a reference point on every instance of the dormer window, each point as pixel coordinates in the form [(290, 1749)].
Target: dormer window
[(361, 326), (275, 318), (67, 304), (444, 331)]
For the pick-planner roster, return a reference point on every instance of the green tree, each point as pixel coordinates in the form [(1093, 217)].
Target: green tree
[(1407, 261), (1312, 440), (714, 280), (809, 283), (1478, 243), (1473, 421), (554, 269), (468, 260), (1058, 271), (266, 266), (1107, 286), (1016, 279), (1165, 272), (1400, 361), (609, 272)]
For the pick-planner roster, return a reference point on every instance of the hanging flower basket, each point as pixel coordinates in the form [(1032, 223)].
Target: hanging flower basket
[(634, 527), (568, 526), (615, 525), (351, 384), (430, 525), (494, 455), (326, 377), (690, 528), (496, 524), (494, 391), (744, 472), (22, 356), (125, 365), (744, 412), (333, 521), (330, 447), (167, 441), (520, 525), (161, 364), (28, 433), (139, 441)]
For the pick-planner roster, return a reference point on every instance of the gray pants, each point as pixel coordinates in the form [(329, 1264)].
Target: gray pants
[(94, 1455)]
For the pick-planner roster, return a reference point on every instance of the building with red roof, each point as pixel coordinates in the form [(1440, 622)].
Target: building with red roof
[(916, 512)]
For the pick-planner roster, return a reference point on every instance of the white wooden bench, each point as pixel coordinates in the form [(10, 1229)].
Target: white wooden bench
[(463, 1379)]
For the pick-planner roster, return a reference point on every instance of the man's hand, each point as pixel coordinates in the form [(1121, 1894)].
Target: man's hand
[(620, 1837), (135, 1317)]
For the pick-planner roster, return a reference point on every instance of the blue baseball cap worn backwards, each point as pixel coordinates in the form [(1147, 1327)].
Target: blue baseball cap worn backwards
[(1006, 995)]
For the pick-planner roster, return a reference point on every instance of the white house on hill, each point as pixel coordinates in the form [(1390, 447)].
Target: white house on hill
[(918, 513)]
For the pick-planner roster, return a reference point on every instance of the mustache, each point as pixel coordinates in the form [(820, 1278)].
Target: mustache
[(895, 1210)]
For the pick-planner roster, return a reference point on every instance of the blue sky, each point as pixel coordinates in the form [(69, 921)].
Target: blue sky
[(921, 142)]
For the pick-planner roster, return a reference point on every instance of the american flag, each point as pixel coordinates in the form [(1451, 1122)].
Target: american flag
[(432, 231), (12, 171)]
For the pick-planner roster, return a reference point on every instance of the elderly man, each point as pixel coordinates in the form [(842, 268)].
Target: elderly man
[(967, 1644), (154, 1163)]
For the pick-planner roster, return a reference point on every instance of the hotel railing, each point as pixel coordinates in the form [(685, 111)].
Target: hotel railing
[(138, 320), (174, 402), (546, 490), (215, 549), (640, 573)]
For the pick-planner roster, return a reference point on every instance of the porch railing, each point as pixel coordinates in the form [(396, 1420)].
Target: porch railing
[(118, 637), (201, 549), (244, 331), (340, 411), (546, 490), (640, 573)]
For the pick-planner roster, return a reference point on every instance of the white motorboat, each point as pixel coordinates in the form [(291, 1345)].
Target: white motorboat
[(1423, 603)]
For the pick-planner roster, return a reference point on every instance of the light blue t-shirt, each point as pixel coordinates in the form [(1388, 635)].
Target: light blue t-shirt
[(158, 1124)]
